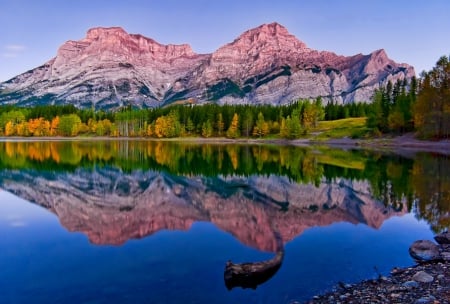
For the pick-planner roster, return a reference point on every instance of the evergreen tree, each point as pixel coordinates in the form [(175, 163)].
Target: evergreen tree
[(262, 127), (220, 124), (247, 123), (207, 129)]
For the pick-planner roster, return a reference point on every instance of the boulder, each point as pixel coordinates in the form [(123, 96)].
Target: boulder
[(424, 251)]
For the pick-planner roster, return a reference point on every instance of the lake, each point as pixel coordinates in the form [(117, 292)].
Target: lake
[(157, 222)]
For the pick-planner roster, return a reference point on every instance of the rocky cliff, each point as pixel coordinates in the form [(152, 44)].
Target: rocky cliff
[(110, 68), (111, 207)]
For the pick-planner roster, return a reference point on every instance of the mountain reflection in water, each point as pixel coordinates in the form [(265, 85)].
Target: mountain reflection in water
[(114, 191)]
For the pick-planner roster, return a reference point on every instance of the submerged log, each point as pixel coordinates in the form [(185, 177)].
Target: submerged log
[(250, 275)]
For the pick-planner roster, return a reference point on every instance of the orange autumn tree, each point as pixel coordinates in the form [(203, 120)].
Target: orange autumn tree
[(39, 127), (54, 126)]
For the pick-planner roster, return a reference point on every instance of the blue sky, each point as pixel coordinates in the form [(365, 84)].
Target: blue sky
[(415, 32)]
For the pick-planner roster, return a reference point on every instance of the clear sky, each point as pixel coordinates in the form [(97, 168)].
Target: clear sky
[(412, 31)]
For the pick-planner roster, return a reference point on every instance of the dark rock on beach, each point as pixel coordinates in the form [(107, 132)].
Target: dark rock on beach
[(443, 238)]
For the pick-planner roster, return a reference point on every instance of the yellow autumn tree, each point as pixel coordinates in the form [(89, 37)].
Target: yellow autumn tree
[(10, 129), (160, 126), (233, 131), (22, 129)]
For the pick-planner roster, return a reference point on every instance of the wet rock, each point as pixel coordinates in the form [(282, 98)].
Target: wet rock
[(422, 277), (443, 238), (424, 251)]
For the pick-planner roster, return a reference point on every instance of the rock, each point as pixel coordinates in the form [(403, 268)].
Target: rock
[(424, 251), (425, 300), (445, 256), (443, 238), (264, 65), (342, 297), (422, 277), (410, 284)]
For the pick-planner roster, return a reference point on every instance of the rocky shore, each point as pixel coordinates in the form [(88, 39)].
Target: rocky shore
[(426, 282)]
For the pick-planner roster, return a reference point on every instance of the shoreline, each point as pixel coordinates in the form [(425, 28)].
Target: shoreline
[(399, 287), (398, 144), (428, 281)]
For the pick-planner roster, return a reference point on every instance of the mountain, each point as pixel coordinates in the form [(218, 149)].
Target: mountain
[(111, 207), (110, 68)]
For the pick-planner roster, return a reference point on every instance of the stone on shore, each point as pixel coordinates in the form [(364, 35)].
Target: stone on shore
[(424, 251), (423, 277), (443, 238)]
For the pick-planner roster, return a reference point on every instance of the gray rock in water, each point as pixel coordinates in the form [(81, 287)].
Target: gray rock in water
[(443, 238), (423, 277), (424, 251)]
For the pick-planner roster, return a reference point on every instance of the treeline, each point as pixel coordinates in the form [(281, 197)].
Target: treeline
[(421, 105), (232, 121)]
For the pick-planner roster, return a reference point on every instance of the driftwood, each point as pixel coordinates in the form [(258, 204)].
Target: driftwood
[(250, 275)]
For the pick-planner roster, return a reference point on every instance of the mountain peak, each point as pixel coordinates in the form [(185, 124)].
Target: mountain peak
[(381, 53), (271, 32), (96, 32), (273, 28)]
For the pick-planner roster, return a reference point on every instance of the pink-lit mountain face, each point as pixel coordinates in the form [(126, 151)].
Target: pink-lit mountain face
[(110, 68)]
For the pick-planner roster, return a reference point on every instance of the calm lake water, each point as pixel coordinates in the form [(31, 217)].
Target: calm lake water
[(156, 222)]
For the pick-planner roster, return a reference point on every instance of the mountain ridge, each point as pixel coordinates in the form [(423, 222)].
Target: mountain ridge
[(110, 68)]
